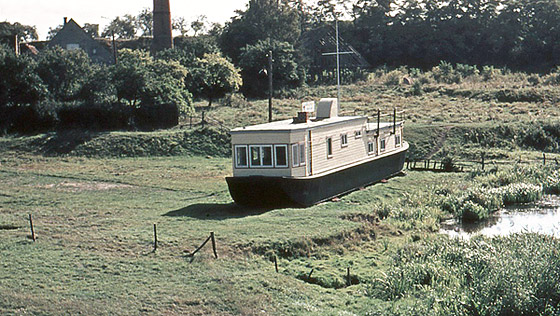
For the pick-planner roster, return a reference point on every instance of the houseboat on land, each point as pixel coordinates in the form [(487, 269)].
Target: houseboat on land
[(306, 160)]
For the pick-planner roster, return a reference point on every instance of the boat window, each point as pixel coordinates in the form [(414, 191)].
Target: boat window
[(266, 152), (329, 147), (358, 134), (295, 155), (302, 154), (398, 140), (344, 140), (370, 148), (255, 156), (281, 155), (241, 157), (383, 144)]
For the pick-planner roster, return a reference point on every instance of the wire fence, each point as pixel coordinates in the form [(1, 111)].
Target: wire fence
[(450, 165)]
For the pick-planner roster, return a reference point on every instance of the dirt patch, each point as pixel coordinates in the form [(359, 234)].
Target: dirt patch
[(84, 186)]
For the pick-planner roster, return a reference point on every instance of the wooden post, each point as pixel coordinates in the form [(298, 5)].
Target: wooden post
[(32, 230), (394, 121), (310, 273), (270, 87), (214, 244), (155, 238), (544, 159), (348, 278), (276, 263), (378, 120)]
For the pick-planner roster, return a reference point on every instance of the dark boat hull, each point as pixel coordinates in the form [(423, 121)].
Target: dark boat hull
[(259, 191)]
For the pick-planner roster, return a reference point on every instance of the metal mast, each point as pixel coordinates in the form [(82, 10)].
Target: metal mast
[(337, 53)]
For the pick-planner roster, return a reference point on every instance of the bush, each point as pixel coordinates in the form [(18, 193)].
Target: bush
[(28, 119), (445, 73), (552, 183), (519, 193), (394, 77)]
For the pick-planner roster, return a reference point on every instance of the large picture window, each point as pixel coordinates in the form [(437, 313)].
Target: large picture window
[(281, 155), (261, 156), (255, 156), (241, 160)]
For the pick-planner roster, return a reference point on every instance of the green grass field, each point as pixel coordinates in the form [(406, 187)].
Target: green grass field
[(95, 197)]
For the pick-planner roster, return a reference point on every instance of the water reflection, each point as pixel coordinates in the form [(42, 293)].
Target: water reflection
[(541, 217)]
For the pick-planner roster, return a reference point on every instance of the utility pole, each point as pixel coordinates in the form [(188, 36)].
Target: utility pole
[(270, 86)]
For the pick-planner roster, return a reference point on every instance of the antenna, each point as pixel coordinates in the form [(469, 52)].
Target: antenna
[(337, 53)]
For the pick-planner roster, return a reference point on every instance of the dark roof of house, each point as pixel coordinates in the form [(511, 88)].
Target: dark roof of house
[(72, 33)]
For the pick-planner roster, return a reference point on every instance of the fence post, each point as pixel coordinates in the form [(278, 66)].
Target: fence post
[(276, 263), (214, 244), (155, 238), (544, 159), (32, 230), (348, 278)]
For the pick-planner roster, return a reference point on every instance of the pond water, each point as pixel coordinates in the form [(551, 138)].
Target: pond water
[(540, 217)]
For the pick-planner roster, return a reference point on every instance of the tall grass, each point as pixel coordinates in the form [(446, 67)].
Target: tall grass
[(515, 275)]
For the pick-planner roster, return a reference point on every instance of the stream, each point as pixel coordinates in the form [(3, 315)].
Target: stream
[(539, 217)]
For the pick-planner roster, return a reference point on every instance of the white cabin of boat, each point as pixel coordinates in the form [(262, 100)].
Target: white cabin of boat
[(306, 147)]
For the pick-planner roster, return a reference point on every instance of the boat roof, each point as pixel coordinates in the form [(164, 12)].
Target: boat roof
[(288, 125)]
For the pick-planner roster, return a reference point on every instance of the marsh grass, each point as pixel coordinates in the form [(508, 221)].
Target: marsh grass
[(515, 275)]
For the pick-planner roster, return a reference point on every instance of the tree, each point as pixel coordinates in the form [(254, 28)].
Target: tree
[(53, 31), (263, 19), (286, 71), (141, 80), (145, 22), (23, 32), (64, 72), (188, 49), (200, 25), (97, 87), (180, 24), (23, 85), (212, 77), (91, 29), (124, 27)]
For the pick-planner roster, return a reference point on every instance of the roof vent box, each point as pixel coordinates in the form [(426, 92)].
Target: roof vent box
[(327, 108)]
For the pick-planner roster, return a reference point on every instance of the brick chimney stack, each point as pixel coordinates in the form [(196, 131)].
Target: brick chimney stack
[(163, 38)]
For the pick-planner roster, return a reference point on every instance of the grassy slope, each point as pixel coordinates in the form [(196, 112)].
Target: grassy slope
[(94, 218)]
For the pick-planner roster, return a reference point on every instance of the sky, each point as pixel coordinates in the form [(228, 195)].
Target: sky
[(45, 14)]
